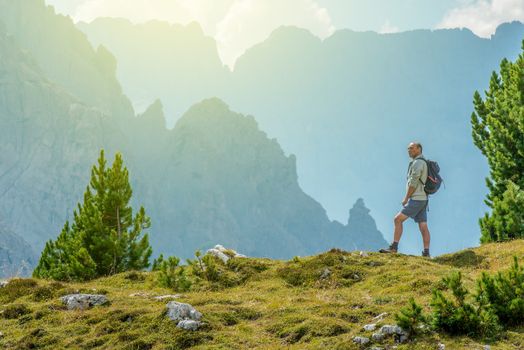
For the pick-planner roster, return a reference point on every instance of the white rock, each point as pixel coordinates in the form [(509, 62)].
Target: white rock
[(363, 254), (140, 294), (190, 325), (181, 311), (441, 346), (389, 329), (487, 347), (3, 283), (83, 301), (380, 317), (361, 340), (218, 254), (219, 251), (370, 327), (377, 337), (403, 338), (167, 296), (325, 273)]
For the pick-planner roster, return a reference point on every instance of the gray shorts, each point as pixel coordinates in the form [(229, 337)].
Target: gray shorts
[(416, 209)]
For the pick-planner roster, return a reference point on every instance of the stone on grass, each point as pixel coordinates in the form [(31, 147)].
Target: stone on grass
[(167, 296), (181, 311), (392, 329), (361, 340), (190, 325), (370, 327), (222, 253), (3, 283), (377, 337), (325, 273), (380, 317), (83, 301)]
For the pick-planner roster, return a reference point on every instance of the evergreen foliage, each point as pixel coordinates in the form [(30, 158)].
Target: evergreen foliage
[(498, 131), (105, 238), (411, 318)]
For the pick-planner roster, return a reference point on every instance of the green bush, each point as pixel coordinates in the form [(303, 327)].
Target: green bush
[(172, 275), (411, 317), (204, 267), (457, 315), (505, 293)]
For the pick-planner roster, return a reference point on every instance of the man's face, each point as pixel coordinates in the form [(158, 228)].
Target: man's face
[(413, 150)]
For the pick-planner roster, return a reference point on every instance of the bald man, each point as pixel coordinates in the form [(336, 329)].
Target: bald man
[(415, 202)]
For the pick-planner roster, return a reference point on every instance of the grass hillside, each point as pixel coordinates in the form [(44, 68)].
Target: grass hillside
[(260, 303)]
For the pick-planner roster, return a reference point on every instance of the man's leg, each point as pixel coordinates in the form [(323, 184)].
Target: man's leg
[(398, 220), (423, 226)]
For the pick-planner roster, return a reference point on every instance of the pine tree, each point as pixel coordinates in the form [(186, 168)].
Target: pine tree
[(105, 237), (498, 131)]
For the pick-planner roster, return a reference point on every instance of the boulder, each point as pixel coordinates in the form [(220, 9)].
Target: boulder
[(3, 283), (83, 301), (190, 325), (361, 340), (181, 311), (377, 337), (389, 329), (220, 252)]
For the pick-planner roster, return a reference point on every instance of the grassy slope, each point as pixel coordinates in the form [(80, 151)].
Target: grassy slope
[(265, 312)]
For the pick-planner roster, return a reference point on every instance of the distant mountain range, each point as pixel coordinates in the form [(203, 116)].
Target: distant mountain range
[(346, 106), (215, 178)]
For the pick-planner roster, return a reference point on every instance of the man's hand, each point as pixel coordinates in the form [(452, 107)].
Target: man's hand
[(405, 201)]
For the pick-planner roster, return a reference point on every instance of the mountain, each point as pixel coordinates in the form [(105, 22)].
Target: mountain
[(222, 180), (347, 107), (65, 56), (191, 59), (215, 178), (316, 302), (17, 257)]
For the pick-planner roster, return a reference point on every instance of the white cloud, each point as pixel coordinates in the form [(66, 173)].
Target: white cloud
[(251, 21), (388, 28), (483, 16)]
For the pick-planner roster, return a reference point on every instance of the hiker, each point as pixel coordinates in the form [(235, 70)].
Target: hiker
[(415, 202)]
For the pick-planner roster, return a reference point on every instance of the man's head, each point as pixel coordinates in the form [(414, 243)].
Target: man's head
[(414, 149)]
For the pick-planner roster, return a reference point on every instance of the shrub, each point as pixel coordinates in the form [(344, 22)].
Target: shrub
[(457, 315), (505, 293), (411, 317), (172, 275)]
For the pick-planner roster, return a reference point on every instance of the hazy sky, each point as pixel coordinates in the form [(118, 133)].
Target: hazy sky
[(239, 24)]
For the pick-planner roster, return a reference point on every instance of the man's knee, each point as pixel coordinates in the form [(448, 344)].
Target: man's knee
[(399, 218), (423, 225)]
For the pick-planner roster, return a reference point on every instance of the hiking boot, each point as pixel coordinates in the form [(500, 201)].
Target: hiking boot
[(391, 249), (425, 254)]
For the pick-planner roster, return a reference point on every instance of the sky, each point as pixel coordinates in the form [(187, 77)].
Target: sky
[(237, 25)]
